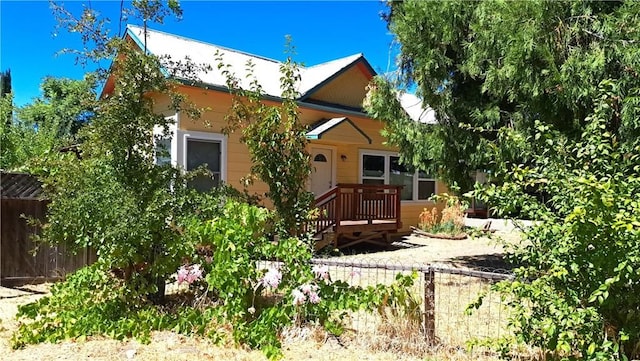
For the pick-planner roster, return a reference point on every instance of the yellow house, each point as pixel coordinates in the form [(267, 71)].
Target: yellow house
[(357, 180)]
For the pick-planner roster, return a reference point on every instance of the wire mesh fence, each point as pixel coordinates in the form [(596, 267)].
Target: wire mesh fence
[(440, 297), (432, 316)]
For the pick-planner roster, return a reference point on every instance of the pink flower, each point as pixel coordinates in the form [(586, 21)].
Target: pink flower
[(183, 272), (272, 278), (298, 297), (307, 291), (314, 298), (189, 274), (321, 272), (307, 288), (354, 274)]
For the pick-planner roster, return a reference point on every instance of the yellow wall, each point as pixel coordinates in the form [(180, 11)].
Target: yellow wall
[(347, 88), (238, 160)]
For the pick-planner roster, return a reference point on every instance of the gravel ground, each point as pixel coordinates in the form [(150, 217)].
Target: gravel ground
[(477, 253)]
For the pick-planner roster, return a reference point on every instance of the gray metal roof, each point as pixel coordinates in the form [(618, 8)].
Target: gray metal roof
[(20, 186), (266, 71), (326, 125)]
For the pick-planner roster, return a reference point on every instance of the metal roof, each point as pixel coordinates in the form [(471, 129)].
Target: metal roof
[(266, 71), (20, 186), (419, 113), (324, 126)]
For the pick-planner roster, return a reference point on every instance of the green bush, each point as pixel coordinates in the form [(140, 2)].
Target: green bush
[(577, 294), (237, 277)]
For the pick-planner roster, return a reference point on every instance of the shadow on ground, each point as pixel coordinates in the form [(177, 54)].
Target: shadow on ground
[(365, 248), (483, 262)]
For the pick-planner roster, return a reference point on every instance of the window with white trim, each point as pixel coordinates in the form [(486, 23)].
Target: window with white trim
[(207, 153), (378, 167), (191, 149)]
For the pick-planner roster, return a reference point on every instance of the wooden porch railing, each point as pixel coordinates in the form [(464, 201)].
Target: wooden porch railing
[(357, 202)]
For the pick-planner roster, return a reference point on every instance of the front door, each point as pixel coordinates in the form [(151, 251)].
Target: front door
[(322, 173)]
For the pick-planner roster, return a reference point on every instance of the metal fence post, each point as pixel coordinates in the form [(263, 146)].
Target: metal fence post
[(429, 306)]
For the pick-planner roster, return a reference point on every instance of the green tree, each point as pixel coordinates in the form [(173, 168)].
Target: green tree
[(94, 198), (484, 66), (5, 82), (41, 129), (545, 95), (66, 104), (276, 138)]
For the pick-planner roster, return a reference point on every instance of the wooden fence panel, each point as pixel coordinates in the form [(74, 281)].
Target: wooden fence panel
[(18, 262)]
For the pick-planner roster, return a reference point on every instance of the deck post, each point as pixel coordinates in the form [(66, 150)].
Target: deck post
[(338, 217), (398, 208)]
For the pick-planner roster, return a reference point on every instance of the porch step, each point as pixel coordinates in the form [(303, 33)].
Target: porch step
[(323, 239)]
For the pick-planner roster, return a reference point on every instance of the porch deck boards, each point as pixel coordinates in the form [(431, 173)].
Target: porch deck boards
[(356, 213)]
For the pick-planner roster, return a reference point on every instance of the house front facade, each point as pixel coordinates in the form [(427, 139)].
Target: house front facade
[(345, 144)]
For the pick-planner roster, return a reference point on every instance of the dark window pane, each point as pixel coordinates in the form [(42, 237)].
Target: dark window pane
[(426, 189), (373, 181), (396, 167), (201, 152), (373, 165), (423, 174), (399, 175), (320, 158), (204, 183)]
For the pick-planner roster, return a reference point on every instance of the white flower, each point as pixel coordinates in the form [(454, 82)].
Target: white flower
[(251, 310), (321, 272), (298, 297), (272, 278)]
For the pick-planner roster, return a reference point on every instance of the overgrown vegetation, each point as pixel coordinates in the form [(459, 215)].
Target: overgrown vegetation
[(577, 293), (238, 280), (46, 126), (148, 227), (545, 95)]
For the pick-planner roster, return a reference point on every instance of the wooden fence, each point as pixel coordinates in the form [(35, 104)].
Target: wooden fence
[(19, 264)]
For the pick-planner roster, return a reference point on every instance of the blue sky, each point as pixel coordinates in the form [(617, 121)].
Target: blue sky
[(321, 31)]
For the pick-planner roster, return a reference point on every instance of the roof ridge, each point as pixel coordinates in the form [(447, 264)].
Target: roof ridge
[(211, 44), (355, 56)]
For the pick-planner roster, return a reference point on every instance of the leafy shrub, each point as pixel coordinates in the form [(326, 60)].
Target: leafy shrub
[(244, 282), (577, 294), (258, 302)]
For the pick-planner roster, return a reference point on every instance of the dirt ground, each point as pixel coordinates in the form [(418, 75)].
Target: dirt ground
[(473, 252), (476, 253)]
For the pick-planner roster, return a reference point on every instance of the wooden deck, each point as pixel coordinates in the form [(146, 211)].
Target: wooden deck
[(356, 213)]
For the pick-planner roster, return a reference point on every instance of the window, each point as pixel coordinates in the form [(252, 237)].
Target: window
[(320, 158), (165, 143), (399, 175), (189, 150), (207, 153), (373, 169), (163, 150), (426, 185), (384, 168)]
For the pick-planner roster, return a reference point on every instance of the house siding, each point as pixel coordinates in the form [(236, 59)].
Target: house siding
[(239, 162)]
